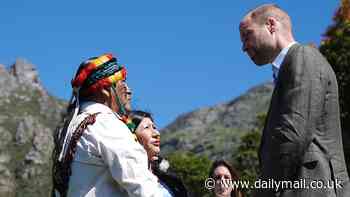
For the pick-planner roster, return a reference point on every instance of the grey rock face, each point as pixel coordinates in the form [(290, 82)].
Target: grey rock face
[(25, 130), (7, 182), (28, 116), (25, 72)]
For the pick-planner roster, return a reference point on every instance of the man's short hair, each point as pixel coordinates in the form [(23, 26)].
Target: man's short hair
[(261, 14)]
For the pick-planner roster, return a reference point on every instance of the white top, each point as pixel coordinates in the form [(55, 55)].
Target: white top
[(276, 64), (108, 161)]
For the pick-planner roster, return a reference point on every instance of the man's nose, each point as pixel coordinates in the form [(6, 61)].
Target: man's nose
[(156, 134), (128, 90)]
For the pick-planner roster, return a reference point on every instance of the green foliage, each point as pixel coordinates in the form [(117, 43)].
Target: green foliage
[(336, 48), (246, 158), (261, 118), (192, 169)]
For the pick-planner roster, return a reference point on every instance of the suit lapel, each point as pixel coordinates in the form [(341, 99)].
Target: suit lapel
[(274, 98)]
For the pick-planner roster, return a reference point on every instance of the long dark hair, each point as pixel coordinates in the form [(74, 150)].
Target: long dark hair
[(138, 115), (234, 174), (62, 170), (60, 177)]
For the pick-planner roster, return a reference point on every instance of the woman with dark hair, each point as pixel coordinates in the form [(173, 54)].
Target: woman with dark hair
[(149, 138), (223, 173)]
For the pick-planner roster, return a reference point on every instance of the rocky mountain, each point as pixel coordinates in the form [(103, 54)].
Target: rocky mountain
[(27, 119), (215, 131)]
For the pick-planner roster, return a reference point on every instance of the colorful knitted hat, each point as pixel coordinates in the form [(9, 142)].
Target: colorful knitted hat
[(97, 73)]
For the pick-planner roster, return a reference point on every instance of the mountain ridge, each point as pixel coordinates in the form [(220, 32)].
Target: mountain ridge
[(219, 127)]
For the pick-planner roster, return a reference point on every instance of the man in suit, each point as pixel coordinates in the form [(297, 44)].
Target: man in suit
[(301, 139)]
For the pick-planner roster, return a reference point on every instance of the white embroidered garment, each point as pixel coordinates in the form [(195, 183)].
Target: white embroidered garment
[(108, 161)]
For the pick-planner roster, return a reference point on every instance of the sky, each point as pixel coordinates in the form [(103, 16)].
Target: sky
[(180, 55)]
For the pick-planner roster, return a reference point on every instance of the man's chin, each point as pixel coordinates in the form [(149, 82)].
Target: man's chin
[(222, 193), (258, 62), (127, 107)]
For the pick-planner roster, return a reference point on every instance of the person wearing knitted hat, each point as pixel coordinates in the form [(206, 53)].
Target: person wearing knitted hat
[(95, 151)]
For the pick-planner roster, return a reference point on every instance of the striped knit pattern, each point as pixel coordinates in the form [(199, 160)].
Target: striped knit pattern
[(98, 72)]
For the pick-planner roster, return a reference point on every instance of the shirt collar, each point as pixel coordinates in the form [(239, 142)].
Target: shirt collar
[(93, 107), (276, 64)]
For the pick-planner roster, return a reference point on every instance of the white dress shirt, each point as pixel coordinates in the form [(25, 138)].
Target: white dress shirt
[(276, 64), (108, 161)]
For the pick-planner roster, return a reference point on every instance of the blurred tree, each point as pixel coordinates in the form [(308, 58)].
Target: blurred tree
[(246, 158), (336, 48), (193, 170)]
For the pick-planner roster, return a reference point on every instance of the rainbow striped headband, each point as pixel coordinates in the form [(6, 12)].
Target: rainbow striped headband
[(98, 72)]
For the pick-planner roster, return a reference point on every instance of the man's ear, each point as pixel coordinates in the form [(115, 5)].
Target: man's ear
[(110, 97), (271, 24), (106, 94)]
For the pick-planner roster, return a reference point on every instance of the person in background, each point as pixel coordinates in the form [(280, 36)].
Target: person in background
[(95, 153), (223, 174), (148, 135)]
